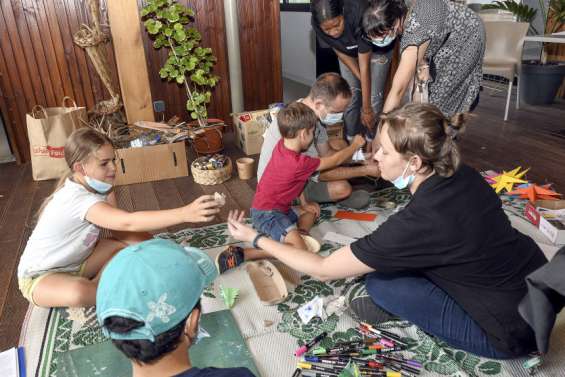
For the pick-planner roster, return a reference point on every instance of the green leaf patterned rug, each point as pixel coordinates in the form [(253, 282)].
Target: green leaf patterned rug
[(273, 333)]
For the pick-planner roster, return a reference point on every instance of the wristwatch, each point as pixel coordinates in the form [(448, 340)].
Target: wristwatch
[(256, 239)]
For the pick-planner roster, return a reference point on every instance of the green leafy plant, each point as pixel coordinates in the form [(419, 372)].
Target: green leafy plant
[(553, 16), (170, 26), (522, 12)]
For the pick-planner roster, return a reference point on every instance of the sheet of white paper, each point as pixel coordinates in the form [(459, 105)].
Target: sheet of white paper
[(338, 238), (358, 155), (313, 308), (9, 363)]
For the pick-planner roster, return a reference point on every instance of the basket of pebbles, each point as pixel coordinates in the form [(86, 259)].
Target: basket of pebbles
[(211, 170)]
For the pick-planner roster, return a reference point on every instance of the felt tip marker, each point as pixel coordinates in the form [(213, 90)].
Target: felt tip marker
[(297, 372), (317, 374), (302, 350), (314, 359)]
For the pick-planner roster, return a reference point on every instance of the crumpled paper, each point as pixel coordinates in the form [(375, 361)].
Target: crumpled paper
[(323, 308)]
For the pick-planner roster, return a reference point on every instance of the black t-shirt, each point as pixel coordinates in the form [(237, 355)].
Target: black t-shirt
[(456, 234), (351, 41), (216, 372)]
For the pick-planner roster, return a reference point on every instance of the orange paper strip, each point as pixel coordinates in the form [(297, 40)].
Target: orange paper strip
[(360, 216)]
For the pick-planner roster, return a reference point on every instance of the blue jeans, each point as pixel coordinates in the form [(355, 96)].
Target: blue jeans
[(274, 223), (418, 300), (380, 64)]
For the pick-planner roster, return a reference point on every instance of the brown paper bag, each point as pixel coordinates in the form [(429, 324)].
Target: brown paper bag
[(48, 130)]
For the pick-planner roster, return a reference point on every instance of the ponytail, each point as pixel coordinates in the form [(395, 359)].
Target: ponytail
[(79, 147), (422, 130)]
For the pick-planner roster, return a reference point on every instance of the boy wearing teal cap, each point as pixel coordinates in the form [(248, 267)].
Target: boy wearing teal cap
[(148, 303)]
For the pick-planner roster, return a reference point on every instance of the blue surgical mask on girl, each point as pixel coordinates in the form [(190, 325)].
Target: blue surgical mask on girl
[(384, 42), (98, 186), (332, 118), (402, 182)]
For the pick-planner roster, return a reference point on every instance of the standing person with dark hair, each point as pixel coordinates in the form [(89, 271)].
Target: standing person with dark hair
[(449, 261), (442, 44), (148, 303), (363, 64)]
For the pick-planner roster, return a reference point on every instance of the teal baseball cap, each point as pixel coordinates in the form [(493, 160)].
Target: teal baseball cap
[(157, 282)]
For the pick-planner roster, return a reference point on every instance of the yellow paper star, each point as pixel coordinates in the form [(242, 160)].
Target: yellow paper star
[(516, 172), (505, 182)]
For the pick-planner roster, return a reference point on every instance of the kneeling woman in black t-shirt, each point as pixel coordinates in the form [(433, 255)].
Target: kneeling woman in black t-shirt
[(450, 261)]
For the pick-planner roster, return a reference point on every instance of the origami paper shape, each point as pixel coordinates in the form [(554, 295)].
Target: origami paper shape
[(507, 180), (350, 370), (516, 172), (229, 295), (534, 192)]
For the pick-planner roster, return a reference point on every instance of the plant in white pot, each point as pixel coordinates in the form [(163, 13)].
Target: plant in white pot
[(540, 79), (189, 64)]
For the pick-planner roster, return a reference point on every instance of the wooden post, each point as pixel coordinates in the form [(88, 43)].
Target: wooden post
[(130, 58)]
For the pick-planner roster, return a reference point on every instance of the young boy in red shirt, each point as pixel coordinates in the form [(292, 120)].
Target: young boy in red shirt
[(283, 181)]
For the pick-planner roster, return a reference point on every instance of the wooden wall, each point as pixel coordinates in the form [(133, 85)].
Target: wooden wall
[(259, 38), (40, 64)]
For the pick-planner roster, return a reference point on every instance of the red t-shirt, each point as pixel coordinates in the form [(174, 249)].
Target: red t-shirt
[(283, 179)]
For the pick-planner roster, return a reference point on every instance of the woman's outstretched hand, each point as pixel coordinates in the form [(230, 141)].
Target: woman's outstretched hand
[(238, 229)]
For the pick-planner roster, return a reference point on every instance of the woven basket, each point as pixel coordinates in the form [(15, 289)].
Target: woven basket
[(212, 177)]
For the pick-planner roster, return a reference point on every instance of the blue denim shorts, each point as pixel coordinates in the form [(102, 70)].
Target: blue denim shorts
[(274, 223)]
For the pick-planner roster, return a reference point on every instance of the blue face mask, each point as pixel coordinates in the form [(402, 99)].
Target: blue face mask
[(332, 118), (402, 182), (98, 186), (384, 42)]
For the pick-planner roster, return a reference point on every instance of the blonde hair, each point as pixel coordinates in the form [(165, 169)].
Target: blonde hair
[(423, 130), (80, 145)]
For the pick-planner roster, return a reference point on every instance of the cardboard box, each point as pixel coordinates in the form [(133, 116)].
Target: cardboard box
[(532, 211), (552, 224), (549, 217), (151, 163), (249, 128), (532, 214)]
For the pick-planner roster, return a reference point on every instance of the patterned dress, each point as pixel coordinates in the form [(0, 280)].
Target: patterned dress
[(455, 53)]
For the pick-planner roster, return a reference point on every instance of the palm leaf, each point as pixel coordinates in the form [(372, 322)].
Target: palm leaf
[(522, 12)]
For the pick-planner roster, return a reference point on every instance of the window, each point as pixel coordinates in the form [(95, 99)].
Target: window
[(295, 5)]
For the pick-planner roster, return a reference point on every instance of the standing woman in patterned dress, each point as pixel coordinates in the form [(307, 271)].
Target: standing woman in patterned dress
[(447, 37)]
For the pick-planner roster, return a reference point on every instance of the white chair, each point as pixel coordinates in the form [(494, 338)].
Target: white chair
[(503, 53)]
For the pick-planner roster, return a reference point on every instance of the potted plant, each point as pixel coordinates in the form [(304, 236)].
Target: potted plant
[(540, 79), (189, 64)]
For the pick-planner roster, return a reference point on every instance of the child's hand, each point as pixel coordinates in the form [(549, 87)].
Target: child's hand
[(312, 207), (202, 209), (372, 169), (358, 141), (238, 229)]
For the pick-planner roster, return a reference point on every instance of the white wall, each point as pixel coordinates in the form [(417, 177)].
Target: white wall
[(298, 48)]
